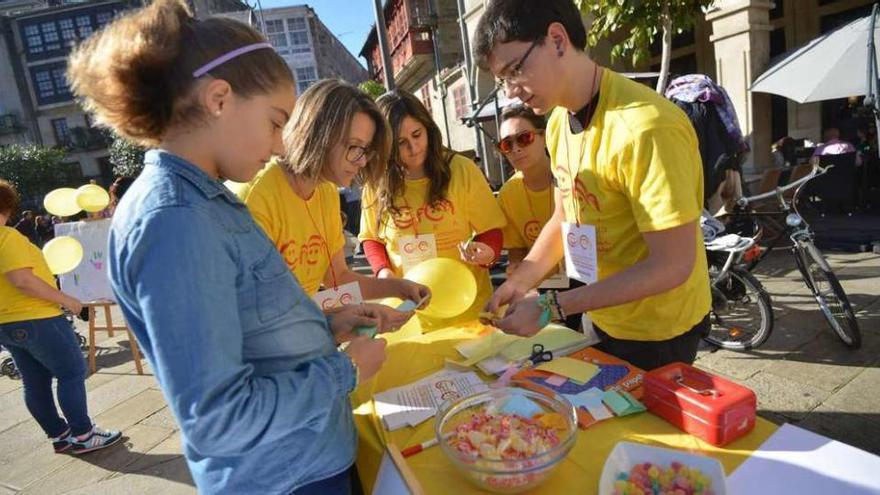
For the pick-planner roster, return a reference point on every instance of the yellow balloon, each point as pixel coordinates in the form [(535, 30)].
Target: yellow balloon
[(62, 202), (453, 286), (92, 198), (63, 254)]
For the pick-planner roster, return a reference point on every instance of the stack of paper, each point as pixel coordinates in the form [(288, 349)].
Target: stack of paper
[(412, 404), (496, 351)]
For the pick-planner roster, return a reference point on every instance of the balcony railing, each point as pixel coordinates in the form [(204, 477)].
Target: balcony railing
[(86, 139), (9, 124)]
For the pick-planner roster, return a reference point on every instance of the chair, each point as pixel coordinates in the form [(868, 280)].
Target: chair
[(838, 189), (109, 328), (769, 181)]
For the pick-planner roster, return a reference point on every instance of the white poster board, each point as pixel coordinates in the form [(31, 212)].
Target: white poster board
[(796, 461), (89, 281)]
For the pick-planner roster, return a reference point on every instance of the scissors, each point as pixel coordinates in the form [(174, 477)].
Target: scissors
[(539, 355)]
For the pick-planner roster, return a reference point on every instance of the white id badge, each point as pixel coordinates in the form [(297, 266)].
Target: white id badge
[(343, 295), (416, 249), (558, 280), (579, 242)]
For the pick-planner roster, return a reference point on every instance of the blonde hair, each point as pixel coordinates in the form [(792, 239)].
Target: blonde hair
[(321, 120), (136, 74)]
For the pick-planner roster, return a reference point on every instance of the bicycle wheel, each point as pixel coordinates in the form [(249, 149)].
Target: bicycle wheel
[(829, 294), (741, 316)]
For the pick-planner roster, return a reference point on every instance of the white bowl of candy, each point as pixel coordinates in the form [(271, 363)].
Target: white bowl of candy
[(507, 440), (636, 468)]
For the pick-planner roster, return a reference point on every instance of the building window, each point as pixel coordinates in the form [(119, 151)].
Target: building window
[(34, 40), (104, 18), (299, 35), (50, 83), (305, 77), (51, 40), (459, 95), (84, 26), (62, 132), (275, 32), (426, 96), (68, 32)]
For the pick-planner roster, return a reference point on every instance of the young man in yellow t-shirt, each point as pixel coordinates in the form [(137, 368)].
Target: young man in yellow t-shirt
[(628, 198)]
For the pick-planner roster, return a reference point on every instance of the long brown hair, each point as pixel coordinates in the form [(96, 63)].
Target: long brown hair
[(322, 119), (136, 74), (396, 106)]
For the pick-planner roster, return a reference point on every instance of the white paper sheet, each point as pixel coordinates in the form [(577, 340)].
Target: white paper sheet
[(412, 404), (796, 461)]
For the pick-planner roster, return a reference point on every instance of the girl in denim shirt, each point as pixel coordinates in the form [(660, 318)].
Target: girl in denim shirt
[(247, 362)]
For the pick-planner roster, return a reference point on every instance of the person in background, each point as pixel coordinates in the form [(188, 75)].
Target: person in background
[(45, 229), (833, 145), (431, 194), (42, 342), (117, 190), (249, 365), (27, 226)]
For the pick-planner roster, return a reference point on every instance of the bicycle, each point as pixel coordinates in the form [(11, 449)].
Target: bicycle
[(817, 274), (741, 316)]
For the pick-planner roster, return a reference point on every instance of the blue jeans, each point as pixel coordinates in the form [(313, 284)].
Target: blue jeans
[(341, 484), (45, 349)]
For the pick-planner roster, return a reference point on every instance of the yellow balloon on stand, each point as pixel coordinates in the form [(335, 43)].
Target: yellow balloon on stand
[(92, 198), (62, 202), (63, 254), (453, 286)]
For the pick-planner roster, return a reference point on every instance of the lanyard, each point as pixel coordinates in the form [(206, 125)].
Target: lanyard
[(571, 175), (323, 241)]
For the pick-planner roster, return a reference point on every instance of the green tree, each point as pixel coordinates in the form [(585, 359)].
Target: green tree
[(35, 170), (372, 88), (644, 21), (127, 157)]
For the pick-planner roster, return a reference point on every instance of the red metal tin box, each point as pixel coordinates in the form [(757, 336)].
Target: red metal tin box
[(704, 405)]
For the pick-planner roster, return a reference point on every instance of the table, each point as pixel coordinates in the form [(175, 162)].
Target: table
[(411, 356)]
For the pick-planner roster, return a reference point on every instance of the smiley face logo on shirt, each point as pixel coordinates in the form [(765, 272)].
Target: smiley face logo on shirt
[(290, 253), (582, 194), (403, 217), (311, 253), (531, 230), (437, 211)]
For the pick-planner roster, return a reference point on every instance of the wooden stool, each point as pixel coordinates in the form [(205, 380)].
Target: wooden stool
[(109, 328)]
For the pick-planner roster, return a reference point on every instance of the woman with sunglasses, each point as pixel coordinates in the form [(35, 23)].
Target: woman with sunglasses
[(431, 202), (335, 136), (526, 198)]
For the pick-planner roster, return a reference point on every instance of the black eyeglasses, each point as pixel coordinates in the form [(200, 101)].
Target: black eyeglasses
[(515, 73), (354, 153)]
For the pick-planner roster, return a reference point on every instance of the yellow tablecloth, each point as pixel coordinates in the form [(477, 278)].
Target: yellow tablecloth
[(411, 356)]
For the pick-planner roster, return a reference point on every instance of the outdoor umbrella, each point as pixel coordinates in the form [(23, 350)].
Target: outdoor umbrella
[(832, 66)]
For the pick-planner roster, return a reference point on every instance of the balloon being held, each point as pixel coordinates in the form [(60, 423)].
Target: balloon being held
[(453, 286), (92, 198), (62, 202), (63, 254)]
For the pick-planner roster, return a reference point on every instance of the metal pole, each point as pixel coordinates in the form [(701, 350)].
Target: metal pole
[(871, 95), (382, 36), (468, 71), (435, 40)]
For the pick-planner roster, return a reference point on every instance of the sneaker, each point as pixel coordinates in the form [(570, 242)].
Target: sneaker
[(94, 440), (61, 443)]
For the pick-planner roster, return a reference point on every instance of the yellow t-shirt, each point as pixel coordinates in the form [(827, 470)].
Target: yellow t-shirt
[(17, 252), (306, 233), (469, 208), (636, 169), (526, 211)]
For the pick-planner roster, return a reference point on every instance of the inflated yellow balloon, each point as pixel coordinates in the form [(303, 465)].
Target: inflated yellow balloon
[(92, 198), (453, 286), (62, 254), (62, 202)]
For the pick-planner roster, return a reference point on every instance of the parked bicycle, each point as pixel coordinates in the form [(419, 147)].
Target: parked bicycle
[(742, 316)]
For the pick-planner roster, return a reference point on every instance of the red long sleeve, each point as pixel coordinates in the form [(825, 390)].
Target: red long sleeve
[(494, 239), (376, 255)]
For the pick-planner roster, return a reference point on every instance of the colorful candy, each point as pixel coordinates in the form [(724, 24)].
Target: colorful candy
[(651, 479), (502, 436)]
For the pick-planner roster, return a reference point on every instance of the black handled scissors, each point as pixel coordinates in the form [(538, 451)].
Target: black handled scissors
[(539, 355)]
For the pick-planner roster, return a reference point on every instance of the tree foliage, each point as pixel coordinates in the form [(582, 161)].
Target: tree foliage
[(127, 157), (372, 88), (35, 170)]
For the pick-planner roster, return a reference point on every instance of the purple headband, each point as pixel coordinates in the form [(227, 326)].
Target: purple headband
[(222, 59)]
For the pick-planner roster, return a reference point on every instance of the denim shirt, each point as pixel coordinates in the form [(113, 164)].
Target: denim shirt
[(245, 359)]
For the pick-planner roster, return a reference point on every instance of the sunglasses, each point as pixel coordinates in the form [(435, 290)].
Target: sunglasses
[(522, 139)]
